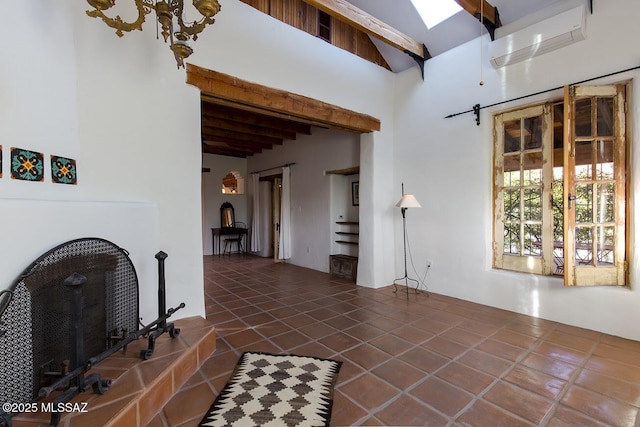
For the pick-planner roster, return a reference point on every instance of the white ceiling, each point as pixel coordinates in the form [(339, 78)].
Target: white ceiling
[(459, 29)]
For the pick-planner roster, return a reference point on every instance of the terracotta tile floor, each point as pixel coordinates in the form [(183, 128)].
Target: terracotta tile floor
[(421, 360)]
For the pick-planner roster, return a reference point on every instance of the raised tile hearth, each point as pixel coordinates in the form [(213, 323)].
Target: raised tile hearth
[(140, 388)]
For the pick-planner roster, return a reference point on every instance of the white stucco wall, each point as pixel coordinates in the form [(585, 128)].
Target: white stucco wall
[(447, 164), (72, 88), (140, 141)]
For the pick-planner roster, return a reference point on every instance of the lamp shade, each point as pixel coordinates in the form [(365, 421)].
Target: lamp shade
[(408, 201)]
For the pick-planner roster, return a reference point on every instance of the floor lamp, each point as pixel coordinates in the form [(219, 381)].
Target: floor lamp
[(407, 201)]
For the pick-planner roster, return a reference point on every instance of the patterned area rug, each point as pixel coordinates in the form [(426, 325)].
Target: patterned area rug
[(273, 390)]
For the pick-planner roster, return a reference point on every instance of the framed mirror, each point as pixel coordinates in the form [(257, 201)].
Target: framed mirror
[(227, 215)]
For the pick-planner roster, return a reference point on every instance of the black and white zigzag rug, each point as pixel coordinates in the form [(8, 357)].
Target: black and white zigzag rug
[(276, 390)]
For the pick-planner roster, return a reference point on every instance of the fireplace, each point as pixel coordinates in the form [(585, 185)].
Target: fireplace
[(70, 309)]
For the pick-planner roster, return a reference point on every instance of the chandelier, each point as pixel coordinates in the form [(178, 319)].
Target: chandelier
[(168, 14)]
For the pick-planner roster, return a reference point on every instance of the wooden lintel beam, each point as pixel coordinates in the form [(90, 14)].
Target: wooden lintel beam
[(223, 88), (355, 17), (486, 11)]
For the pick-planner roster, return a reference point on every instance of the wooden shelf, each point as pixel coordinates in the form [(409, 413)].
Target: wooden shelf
[(346, 242), (351, 234), (349, 171)]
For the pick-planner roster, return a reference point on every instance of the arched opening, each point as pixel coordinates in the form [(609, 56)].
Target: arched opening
[(233, 183)]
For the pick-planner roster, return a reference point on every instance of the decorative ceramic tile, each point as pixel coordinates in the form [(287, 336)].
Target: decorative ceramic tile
[(26, 165), (63, 170)]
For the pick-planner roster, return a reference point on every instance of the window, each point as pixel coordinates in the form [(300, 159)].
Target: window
[(559, 187), (434, 12), (324, 26)]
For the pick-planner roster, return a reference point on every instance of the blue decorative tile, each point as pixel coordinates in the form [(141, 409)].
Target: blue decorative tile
[(26, 165), (63, 170)]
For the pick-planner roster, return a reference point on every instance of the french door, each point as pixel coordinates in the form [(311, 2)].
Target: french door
[(595, 185)]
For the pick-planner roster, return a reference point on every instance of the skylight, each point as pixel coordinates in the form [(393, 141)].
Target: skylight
[(434, 12)]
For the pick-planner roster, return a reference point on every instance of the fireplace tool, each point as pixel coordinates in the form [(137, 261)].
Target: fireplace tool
[(100, 385), (73, 382)]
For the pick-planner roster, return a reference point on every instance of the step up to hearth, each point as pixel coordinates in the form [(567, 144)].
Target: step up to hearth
[(140, 388)]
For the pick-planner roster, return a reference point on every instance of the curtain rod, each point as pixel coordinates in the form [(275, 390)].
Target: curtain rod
[(275, 167), (476, 108)]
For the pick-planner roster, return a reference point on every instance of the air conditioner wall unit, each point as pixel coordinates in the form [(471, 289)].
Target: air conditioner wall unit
[(545, 36)]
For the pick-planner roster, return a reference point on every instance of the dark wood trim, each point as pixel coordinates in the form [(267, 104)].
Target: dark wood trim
[(475, 8)]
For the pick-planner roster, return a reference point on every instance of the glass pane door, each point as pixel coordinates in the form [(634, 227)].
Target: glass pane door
[(595, 192)]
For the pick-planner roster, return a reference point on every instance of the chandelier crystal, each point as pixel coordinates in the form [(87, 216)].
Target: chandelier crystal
[(170, 17)]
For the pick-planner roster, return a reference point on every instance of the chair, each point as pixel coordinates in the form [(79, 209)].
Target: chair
[(236, 239)]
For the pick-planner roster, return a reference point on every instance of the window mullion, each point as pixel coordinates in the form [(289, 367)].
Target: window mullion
[(522, 192)]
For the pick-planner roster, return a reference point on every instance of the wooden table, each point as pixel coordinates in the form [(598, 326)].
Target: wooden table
[(228, 231)]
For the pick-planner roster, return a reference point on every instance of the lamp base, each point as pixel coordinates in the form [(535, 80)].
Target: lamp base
[(406, 280)]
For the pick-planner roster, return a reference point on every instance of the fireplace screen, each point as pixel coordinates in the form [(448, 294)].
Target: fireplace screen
[(36, 329)]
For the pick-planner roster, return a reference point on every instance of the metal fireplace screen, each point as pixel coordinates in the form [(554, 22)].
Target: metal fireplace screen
[(35, 313)]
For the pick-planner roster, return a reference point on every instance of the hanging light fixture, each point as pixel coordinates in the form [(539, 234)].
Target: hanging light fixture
[(168, 14)]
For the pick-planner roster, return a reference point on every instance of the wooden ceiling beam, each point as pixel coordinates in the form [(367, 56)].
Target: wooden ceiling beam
[(210, 132), (237, 145), (486, 11), (357, 18), (227, 151), (210, 110), (245, 128), (254, 121), (227, 90), (275, 114), (221, 142)]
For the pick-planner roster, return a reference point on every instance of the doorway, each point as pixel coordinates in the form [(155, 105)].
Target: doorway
[(276, 197), (271, 193), (235, 124)]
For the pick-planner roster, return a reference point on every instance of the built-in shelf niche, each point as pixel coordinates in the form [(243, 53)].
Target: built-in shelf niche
[(347, 233), (343, 261)]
